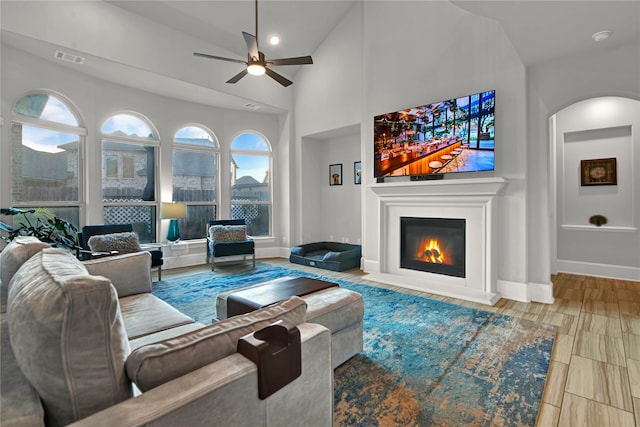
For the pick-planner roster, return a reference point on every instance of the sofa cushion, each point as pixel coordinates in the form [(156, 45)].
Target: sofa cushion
[(130, 274), (124, 243), (228, 233), (146, 314), (11, 259), (154, 364), (164, 335), (68, 337)]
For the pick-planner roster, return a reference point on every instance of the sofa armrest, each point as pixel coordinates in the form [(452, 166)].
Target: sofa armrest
[(228, 390), (130, 274)]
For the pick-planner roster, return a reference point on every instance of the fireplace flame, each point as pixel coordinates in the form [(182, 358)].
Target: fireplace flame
[(432, 252)]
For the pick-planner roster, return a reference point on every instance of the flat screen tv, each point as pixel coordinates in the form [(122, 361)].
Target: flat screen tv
[(457, 135)]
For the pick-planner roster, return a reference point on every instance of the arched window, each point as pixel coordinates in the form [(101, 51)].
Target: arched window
[(129, 145), (251, 182), (47, 138), (195, 172)]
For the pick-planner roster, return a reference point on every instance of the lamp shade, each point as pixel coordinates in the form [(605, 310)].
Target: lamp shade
[(173, 210)]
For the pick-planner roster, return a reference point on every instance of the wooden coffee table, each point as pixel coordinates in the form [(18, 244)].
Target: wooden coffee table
[(249, 299)]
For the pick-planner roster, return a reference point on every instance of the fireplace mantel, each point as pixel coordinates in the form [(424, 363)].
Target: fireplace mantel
[(475, 200), (461, 187)]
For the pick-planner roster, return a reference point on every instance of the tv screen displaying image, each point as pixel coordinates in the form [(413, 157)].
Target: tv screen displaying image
[(457, 135)]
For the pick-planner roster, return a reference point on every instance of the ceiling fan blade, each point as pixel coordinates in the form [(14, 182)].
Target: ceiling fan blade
[(301, 60), (277, 77), (252, 45), (238, 76), (205, 55)]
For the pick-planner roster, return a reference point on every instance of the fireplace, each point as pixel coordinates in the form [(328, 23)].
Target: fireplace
[(433, 245), (473, 203)]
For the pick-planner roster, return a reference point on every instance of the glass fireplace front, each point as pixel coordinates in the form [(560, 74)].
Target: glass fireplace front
[(433, 245)]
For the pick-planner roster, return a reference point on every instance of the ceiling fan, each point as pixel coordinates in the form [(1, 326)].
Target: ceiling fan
[(256, 63)]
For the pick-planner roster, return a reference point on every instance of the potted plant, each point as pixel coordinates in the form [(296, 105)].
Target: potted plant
[(40, 223)]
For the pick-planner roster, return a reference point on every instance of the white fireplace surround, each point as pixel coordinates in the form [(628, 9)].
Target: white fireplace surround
[(474, 200)]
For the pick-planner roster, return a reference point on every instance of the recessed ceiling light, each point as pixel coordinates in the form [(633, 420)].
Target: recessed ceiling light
[(274, 39), (601, 35)]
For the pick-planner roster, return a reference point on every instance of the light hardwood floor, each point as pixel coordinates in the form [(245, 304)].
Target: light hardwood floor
[(594, 376)]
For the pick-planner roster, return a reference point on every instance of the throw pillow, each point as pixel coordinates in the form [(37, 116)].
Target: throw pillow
[(228, 233), (155, 364), (124, 243)]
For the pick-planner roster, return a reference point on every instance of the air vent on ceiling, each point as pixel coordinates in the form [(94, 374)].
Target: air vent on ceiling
[(251, 106), (68, 57)]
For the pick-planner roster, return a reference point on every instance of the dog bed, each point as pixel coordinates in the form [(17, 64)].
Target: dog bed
[(327, 255)]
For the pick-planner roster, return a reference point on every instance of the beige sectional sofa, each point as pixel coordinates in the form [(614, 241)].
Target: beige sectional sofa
[(87, 344)]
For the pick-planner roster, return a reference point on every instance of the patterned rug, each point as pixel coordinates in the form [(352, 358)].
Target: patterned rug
[(425, 362)]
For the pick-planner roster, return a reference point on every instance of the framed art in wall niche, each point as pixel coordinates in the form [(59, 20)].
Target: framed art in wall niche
[(598, 172), (357, 173), (335, 174)]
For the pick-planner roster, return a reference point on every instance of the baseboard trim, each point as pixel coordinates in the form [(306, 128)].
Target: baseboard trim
[(370, 266), (190, 260), (599, 270), (526, 292)]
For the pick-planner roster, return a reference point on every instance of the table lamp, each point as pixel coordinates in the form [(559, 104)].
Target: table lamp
[(173, 211)]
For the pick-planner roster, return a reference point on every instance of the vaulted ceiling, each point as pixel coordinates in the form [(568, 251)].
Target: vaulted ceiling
[(540, 31), (302, 25)]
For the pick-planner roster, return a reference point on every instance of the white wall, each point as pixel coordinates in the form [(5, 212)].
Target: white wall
[(593, 129), (417, 53), (96, 100), (613, 70), (330, 212), (327, 96), (402, 65)]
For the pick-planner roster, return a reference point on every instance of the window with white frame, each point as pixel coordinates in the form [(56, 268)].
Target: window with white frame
[(47, 140), (129, 151), (251, 182), (195, 172)]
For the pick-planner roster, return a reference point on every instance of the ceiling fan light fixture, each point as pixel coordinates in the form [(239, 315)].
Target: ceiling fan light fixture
[(256, 64), (274, 39), (255, 69)]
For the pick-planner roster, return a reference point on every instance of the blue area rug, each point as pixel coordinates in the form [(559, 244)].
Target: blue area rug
[(425, 362)]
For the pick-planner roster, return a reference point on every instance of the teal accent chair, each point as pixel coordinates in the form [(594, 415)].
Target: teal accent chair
[(96, 230), (226, 249)]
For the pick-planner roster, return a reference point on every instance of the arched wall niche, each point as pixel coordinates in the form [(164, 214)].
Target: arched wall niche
[(582, 134)]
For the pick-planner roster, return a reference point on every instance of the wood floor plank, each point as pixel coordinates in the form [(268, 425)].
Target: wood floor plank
[(600, 347), (602, 325), (603, 382), (548, 416), (556, 379), (577, 411)]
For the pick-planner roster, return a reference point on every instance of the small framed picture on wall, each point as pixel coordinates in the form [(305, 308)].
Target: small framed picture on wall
[(357, 173), (335, 174), (598, 172)]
